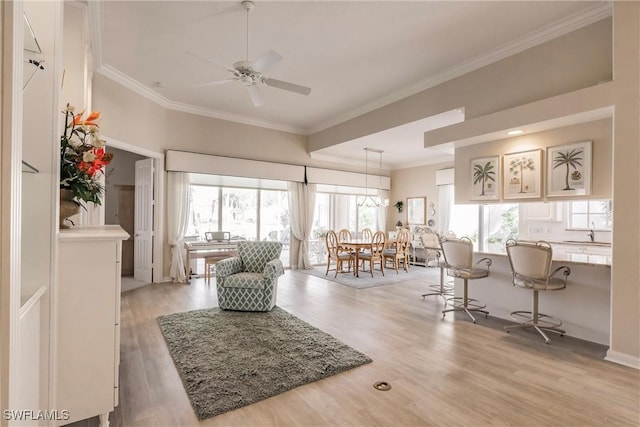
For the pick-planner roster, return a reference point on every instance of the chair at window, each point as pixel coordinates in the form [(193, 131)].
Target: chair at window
[(249, 281), (398, 252), (434, 259), (375, 252), (458, 257), (336, 254), (530, 267)]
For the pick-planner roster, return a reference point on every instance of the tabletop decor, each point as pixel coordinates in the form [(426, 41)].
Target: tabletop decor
[(82, 161)]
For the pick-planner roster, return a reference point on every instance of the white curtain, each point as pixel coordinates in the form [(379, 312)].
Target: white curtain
[(445, 202), (177, 221), (381, 214), (302, 201)]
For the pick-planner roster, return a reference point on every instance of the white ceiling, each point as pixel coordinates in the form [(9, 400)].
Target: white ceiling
[(355, 55)]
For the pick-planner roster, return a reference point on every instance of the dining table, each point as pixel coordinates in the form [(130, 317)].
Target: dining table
[(356, 245)]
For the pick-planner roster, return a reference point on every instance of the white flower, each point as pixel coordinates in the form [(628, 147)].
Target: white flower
[(70, 108), (88, 157), (98, 143), (75, 142)]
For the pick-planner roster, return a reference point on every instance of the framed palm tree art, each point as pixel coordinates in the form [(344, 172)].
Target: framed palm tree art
[(485, 178), (522, 175), (569, 169)]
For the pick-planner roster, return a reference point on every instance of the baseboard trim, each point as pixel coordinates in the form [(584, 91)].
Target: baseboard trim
[(623, 359)]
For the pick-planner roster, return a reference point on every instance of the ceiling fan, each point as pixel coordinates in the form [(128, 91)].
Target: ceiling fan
[(249, 74)]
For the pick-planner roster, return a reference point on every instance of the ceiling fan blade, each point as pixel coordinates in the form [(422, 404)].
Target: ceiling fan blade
[(291, 87), (267, 61), (215, 82), (254, 93), (210, 61)]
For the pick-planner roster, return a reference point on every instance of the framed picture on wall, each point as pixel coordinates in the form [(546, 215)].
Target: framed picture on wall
[(485, 178), (522, 174), (416, 210), (569, 169)]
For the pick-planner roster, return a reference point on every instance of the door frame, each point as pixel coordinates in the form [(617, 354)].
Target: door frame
[(158, 200)]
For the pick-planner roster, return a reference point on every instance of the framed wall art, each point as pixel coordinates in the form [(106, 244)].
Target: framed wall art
[(522, 175), (485, 178), (416, 209), (569, 169)]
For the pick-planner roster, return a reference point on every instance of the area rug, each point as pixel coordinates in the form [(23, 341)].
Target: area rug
[(230, 359), (365, 280)]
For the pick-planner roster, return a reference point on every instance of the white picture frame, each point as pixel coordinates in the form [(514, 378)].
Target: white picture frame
[(522, 175), (569, 169), (485, 178)]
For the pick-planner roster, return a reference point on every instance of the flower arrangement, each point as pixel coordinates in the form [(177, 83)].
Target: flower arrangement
[(82, 157)]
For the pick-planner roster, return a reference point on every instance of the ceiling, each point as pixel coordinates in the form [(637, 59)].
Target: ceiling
[(354, 55)]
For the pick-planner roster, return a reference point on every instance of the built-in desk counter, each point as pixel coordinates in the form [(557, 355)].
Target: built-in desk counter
[(583, 306)]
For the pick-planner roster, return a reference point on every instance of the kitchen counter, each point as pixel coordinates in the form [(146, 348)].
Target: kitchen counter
[(569, 252), (583, 306)]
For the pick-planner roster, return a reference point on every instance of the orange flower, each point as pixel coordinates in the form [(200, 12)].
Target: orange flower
[(89, 121)]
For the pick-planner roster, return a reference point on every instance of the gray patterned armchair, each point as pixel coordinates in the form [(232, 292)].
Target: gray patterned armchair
[(249, 281)]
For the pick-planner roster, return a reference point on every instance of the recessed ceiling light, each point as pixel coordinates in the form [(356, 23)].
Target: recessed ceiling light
[(515, 132), (159, 84)]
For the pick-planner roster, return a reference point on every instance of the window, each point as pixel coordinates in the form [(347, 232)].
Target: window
[(590, 214), (499, 224), (246, 213)]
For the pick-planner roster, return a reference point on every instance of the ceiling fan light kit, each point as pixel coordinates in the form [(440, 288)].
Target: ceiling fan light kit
[(250, 74)]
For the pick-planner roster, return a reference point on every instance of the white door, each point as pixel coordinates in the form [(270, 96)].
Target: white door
[(143, 223)]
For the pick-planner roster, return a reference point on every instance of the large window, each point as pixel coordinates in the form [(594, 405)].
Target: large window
[(334, 211), (488, 226), (591, 214), (246, 213)]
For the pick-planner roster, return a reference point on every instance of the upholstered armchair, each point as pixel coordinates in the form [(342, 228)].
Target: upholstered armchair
[(249, 281)]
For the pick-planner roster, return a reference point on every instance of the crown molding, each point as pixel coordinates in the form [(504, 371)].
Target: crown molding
[(142, 90), (554, 30), (598, 12)]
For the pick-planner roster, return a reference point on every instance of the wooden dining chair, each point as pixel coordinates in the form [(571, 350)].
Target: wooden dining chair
[(375, 252), (336, 254), (344, 235), (367, 235), (399, 251)]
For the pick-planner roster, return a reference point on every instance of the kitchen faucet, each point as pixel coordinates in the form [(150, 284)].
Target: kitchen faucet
[(592, 233)]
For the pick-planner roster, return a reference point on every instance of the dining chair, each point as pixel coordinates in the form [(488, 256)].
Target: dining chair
[(531, 269), (398, 252), (367, 235), (375, 252), (336, 254), (458, 257), (344, 235)]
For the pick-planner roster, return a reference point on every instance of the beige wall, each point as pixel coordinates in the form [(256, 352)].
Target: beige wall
[(625, 274), (534, 74), (413, 182), (600, 132)]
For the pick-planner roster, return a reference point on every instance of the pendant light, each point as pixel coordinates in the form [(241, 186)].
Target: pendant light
[(369, 200)]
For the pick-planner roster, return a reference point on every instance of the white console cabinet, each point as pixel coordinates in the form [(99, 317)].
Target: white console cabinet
[(88, 321)]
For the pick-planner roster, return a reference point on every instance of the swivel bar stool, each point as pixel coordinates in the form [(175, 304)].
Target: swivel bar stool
[(530, 266), (458, 256)]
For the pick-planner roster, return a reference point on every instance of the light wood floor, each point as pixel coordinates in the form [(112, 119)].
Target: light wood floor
[(442, 372)]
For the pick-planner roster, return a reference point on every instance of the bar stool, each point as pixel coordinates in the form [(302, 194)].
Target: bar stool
[(433, 256), (458, 256), (530, 266)]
